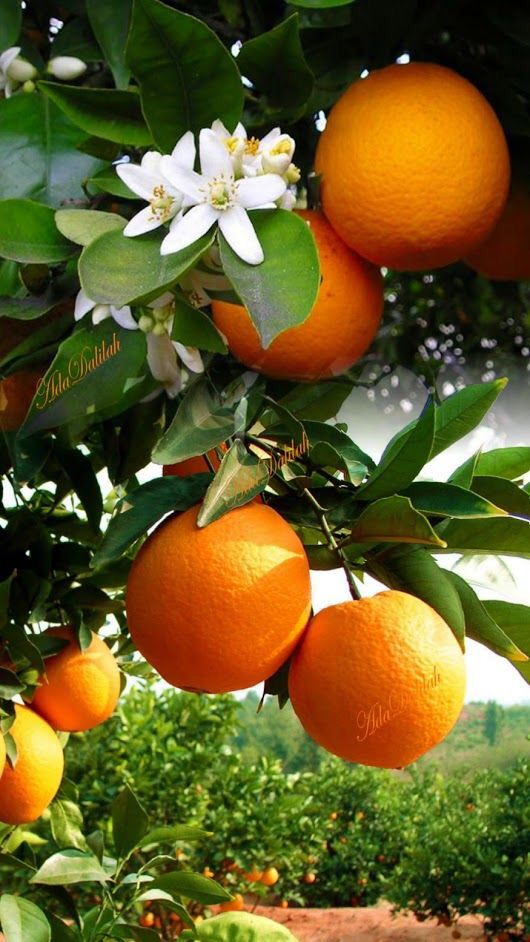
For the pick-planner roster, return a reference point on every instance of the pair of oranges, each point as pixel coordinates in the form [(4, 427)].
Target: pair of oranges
[(79, 691)]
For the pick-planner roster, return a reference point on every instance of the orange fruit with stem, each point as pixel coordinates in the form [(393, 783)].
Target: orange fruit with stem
[(339, 328), (378, 681), (194, 596), (27, 789), (414, 166)]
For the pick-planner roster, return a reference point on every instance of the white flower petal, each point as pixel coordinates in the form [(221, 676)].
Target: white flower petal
[(239, 233), (255, 191), (219, 128), (190, 356), (100, 313), (8, 56), (138, 179), (83, 305), (185, 181), (215, 159), (189, 228), (240, 131), (144, 221), (270, 139), (150, 162), (123, 317), (162, 358), (184, 151)]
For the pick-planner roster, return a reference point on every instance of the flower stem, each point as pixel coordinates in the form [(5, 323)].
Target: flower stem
[(326, 529)]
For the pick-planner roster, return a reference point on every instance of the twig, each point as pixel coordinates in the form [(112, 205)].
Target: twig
[(321, 514)]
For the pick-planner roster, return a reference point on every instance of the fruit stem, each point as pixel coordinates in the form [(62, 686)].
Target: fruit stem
[(326, 529)]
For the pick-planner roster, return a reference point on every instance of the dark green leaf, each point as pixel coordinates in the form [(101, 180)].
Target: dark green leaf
[(403, 458), (128, 931), (356, 461), (172, 833), (109, 181), (84, 481), (393, 520), (187, 77), (9, 683), (75, 38), (240, 478), (461, 413), (509, 463), (275, 63), (479, 623), (194, 886), (82, 226), (194, 328), (280, 292), (115, 269), (70, 866), (317, 401), (22, 920), (103, 112), (28, 233), (5, 589), (505, 535), (61, 932), (202, 421), (144, 507), (66, 823), (449, 500), (110, 23), (320, 4), (10, 22), (463, 476), (504, 493), (129, 822)]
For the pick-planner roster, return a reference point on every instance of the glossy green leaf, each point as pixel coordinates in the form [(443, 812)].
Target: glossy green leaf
[(275, 63), (449, 500), (505, 535), (93, 369), (194, 328), (22, 920), (129, 822), (514, 619), (357, 462), (186, 75), (110, 24), (317, 401), (143, 507), (412, 569), (30, 307), (39, 137), (75, 38), (108, 181), (241, 927), (393, 520), (461, 413), (402, 459), (240, 477), (82, 226), (463, 475), (28, 233), (480, 625), (10, 22), (66, 823), (509, 463), (193, 885), (70, 866), (202, 421), (172, 833), (115, 269), (103, 112), (514, 500), (280, 292), (81, 473)]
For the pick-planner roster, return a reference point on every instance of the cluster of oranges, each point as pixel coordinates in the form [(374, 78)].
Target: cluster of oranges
[(79, 690), (415, 174), (221, 608)]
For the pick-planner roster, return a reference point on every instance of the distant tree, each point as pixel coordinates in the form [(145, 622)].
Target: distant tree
[(492, 721)]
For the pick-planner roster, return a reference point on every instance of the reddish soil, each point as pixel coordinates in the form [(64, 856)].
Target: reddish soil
[(375, 924)]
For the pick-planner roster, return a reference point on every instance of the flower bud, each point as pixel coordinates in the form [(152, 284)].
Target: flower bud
[(293, 174), (159, 329), (146, 323), (19, 70), (66, 68), (278, 158), (29, 86)]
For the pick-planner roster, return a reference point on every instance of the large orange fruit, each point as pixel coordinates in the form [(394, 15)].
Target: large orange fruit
[(27, 790), (196, 465), (415, 166), (339, 329), (505, 255), (80, 688), (378, 681), (2, 754), (219, 608)]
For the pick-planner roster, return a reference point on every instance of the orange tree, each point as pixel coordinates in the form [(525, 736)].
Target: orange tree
[(151, 155)]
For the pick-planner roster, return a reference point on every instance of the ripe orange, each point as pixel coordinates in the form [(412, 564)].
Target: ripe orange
[(81, 688), (222, 607), (270, 876), (378, 681), (234, 905), (505, 254), (254, 875), (197, 465), (27, 790), (415, 166), (2, 754), (339, 329), (16, 393)]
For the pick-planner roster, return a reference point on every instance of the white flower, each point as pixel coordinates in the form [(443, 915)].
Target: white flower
[(217, 197), (14, 70), (163, 354), (66, 68), (235, 143), (148, 181), (122, 315), (276, 151)]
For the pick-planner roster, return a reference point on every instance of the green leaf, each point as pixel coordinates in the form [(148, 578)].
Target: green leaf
[(241, 927), (414, 570), (463, 475), (30, 307), (82, 226), (66, 822), (194, 328), (505, 535), (504, 493), (202, 421), (461, 413), (172, 833), (393, 520), (5, 591), (128, 931), (509, 463), (356, 461), (187, 77), (280, 292), (9, 683), (514, 619), (241, 477), (109, 181), (10, 22), (449, 500), (37, 136), (317, 401), (103, 112), (194, 886), (61, 932), (93, 369), (480, 625), (143, 507), (75, 38), (118, 270), (79, 469), (28, 233), (70, 866), (110, 24), (275, 63), (402, 459), (129, 822), (22, 920), (320, 4)]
